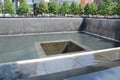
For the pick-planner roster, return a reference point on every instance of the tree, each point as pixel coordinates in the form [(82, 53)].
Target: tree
[(59, 8), (65, 8), (41, 7), (115, 4), (107, 7), (101, 8), (91, 8), (117, 8), (74, 8), (8, 7), (0, 10), (81, 9), (87, 9), (24, 8), (53, 7)]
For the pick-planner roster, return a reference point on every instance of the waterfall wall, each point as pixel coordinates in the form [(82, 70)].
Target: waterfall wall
[(104, 27), (38, 25)]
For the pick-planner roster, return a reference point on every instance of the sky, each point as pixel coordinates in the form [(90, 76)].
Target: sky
[(30, 1)]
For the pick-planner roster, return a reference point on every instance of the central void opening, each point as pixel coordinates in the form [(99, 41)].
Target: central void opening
[(51, 48)]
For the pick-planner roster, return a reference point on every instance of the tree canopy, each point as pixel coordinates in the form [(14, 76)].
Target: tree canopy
[(53, 7), (24, 8), (117, 8), (74, 8), (87, 9), (0, 10), (8, 7), (91, 8), (41, 7), (81, 9), (107, 7), (65, 8)]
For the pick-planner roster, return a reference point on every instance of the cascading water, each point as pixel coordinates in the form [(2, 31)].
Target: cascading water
[(104, 27)]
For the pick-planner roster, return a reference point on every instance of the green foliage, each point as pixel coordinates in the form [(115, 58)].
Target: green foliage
[(81, 9), (0, 10), (91, 9), (65, 8), (94, 8), (87, 9), (59, 8), (8, 7), (41, 7), (114, 8), (101, 8), (107, 7), (117, 8), (53, 7), (24, 8), (74, 8)]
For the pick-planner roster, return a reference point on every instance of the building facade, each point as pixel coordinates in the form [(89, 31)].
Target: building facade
[(16, 3), (84, 2)]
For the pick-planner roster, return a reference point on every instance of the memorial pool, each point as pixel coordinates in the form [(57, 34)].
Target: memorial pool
[(22, 47)]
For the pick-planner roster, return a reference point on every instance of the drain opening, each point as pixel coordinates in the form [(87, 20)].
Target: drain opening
[(52, 48)]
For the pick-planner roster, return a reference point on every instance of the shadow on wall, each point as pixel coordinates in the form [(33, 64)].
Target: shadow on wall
[(82, 26), (117, 34)]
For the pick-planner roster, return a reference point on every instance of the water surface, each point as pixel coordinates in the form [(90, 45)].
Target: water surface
[(15, 48)]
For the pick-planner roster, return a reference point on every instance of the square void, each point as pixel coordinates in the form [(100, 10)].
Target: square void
[(51, 48)]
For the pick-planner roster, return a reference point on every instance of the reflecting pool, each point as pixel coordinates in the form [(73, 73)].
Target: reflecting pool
[(15, 48)]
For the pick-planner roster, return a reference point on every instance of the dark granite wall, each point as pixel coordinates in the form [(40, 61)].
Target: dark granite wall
[(38, 25), (104, 27)]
